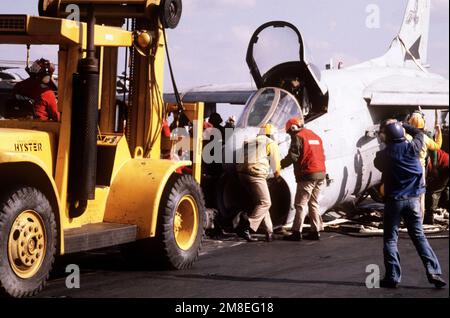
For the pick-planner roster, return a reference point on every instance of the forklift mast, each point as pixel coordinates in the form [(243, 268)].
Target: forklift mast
[(144, 105), (146, 63)]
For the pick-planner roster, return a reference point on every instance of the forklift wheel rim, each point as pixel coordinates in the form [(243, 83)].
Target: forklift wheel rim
[(27, 244), (186, 222)]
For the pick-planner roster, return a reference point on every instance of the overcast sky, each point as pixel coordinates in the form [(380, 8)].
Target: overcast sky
[(210, 43)]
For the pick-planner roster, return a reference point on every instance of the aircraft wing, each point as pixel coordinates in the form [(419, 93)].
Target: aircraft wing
[(402, 90), (230, 94)]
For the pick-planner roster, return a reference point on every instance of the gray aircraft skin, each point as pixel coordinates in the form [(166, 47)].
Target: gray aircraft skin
[(343, 106)]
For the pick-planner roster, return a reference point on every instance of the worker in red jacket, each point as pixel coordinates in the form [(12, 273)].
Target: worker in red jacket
[(306, 153), (39, 88), (437, 181)]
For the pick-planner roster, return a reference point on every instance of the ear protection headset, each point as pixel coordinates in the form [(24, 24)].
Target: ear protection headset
[(295, 128)]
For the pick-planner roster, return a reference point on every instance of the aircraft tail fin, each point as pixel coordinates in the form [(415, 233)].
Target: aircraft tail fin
[(411, 44)]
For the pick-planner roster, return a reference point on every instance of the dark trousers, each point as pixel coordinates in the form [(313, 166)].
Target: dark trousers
[(435, 189), (409, 209)]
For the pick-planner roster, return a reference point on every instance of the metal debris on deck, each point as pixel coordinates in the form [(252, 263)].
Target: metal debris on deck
[(367, 220)]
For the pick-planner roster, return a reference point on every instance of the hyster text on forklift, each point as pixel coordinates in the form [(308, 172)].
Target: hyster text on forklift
[(82, 183)]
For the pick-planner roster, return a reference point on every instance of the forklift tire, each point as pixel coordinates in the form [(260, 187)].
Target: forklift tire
[(181, 222), (28, 239), (180, 229), (171, 13)]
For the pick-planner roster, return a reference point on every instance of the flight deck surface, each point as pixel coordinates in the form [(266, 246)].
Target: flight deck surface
[(335, 266)]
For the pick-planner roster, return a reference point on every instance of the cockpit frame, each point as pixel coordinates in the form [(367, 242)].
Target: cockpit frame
[(282, 102), (297, 76)]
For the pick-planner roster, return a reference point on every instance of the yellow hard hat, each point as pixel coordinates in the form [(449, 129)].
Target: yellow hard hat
[(417, 120), (268, 130)]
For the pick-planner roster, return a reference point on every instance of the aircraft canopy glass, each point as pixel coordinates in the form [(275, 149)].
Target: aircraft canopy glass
[(276, 45), (261, 108), (270, 105)]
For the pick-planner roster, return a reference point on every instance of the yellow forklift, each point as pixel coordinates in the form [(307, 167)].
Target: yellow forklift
[(79, 184)]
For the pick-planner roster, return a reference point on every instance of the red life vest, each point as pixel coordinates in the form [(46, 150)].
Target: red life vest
[(313, 157), (45, 104)]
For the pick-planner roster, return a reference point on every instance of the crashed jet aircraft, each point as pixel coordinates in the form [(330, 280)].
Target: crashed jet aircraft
[(344, 106)]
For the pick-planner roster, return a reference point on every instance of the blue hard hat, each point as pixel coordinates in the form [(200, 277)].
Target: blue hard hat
[(394, 132)]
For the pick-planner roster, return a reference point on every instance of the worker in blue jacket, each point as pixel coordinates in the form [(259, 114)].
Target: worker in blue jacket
[(402, 176)]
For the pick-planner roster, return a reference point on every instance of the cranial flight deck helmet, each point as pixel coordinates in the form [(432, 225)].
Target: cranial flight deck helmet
[(215, 119), (417, 119), (42, 69), (394, 132), (294, 124)]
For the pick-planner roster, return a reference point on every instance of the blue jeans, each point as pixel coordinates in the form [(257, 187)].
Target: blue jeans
[(409, 209)]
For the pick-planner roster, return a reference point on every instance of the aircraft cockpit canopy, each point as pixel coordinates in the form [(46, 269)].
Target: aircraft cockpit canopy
[(270, 105), (276, 58), (275, 46)]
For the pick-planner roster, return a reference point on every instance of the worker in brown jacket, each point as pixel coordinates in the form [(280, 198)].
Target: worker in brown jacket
[(260, 157)]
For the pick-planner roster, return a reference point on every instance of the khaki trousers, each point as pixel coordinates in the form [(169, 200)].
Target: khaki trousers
[(259, 191), (307, 197)]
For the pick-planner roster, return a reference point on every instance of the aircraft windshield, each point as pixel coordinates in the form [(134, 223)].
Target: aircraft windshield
[(276, 46), (270, 105), (261, 108), (287, 108)]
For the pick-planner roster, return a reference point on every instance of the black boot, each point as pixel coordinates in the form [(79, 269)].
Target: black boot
[(387, 283), (295, 236), (436, 280), (313, 236), (245, 234), (243, 229), (429, 218), (269, 237)]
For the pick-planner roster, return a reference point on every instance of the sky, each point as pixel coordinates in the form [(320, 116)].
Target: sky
[(210, 43)]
